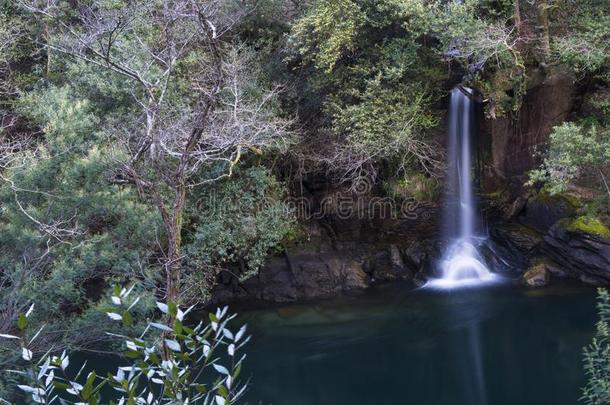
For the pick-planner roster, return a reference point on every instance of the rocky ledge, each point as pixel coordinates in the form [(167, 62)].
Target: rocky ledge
[(544, 238), (584, 256), (326, 266)]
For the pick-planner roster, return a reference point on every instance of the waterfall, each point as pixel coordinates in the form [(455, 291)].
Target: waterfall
[(461, 263)]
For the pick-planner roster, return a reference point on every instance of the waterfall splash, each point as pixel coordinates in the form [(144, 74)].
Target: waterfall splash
[(462, 265)]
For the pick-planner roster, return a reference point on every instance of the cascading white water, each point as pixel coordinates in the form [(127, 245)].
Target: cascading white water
[(461, 264)]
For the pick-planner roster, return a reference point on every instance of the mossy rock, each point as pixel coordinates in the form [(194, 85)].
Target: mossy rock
[(590, 226), (545, 196), (543, 210)]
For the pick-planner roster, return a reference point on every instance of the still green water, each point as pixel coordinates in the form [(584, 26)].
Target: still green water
[(391, 345)]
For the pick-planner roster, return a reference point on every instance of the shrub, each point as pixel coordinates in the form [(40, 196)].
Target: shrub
[(597, 356), (170, 363)]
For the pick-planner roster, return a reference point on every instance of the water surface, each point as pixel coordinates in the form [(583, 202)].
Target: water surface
[(391, 345)]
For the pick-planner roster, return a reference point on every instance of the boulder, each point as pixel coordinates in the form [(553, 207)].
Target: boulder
[(542, 211), (536, 276)]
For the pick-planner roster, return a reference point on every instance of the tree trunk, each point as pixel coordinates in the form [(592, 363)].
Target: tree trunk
[(517, 17), (173, 264), (545, 36), (173, 261), (603, 177)]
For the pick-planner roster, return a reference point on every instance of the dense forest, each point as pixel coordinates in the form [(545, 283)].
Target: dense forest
[(164, 146)]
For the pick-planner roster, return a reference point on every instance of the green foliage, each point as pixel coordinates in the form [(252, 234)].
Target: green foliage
[(474, 34), (586, 45), (241, 221), (573, 149), (65, 230), (385, 120), (328, 31), (597, 356), (376, 81), (170, 363)]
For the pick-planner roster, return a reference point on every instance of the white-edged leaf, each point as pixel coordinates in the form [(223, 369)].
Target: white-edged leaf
[(125, 294), (163, 307), (26, 354), (37, 334), (30, 310), (65, 361), (188, 310), (162, 327), (49, 378), (227, 333), (131, 345), (229, 381), (240, 333), (133, 304), (173, 345), (27, 388), (221, 369), (5, 336), (120, 375), (44, 368), (114, 316)]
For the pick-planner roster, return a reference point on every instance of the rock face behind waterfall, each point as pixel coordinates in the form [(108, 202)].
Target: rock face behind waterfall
[(515, 141)]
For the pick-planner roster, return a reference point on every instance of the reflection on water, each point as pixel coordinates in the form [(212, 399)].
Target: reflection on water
[(497, 345)]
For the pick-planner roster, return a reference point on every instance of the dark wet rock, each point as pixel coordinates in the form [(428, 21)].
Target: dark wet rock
[(301, 273), (417, 255), (323, 268), (420, 279), (583, 256), (387, 265), (554, 269), (516, 208), (511, 246), (396, 258)]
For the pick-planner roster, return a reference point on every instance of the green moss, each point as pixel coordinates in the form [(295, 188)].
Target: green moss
[(416, 186), (545, 196), (501, 195), (590, 226)]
